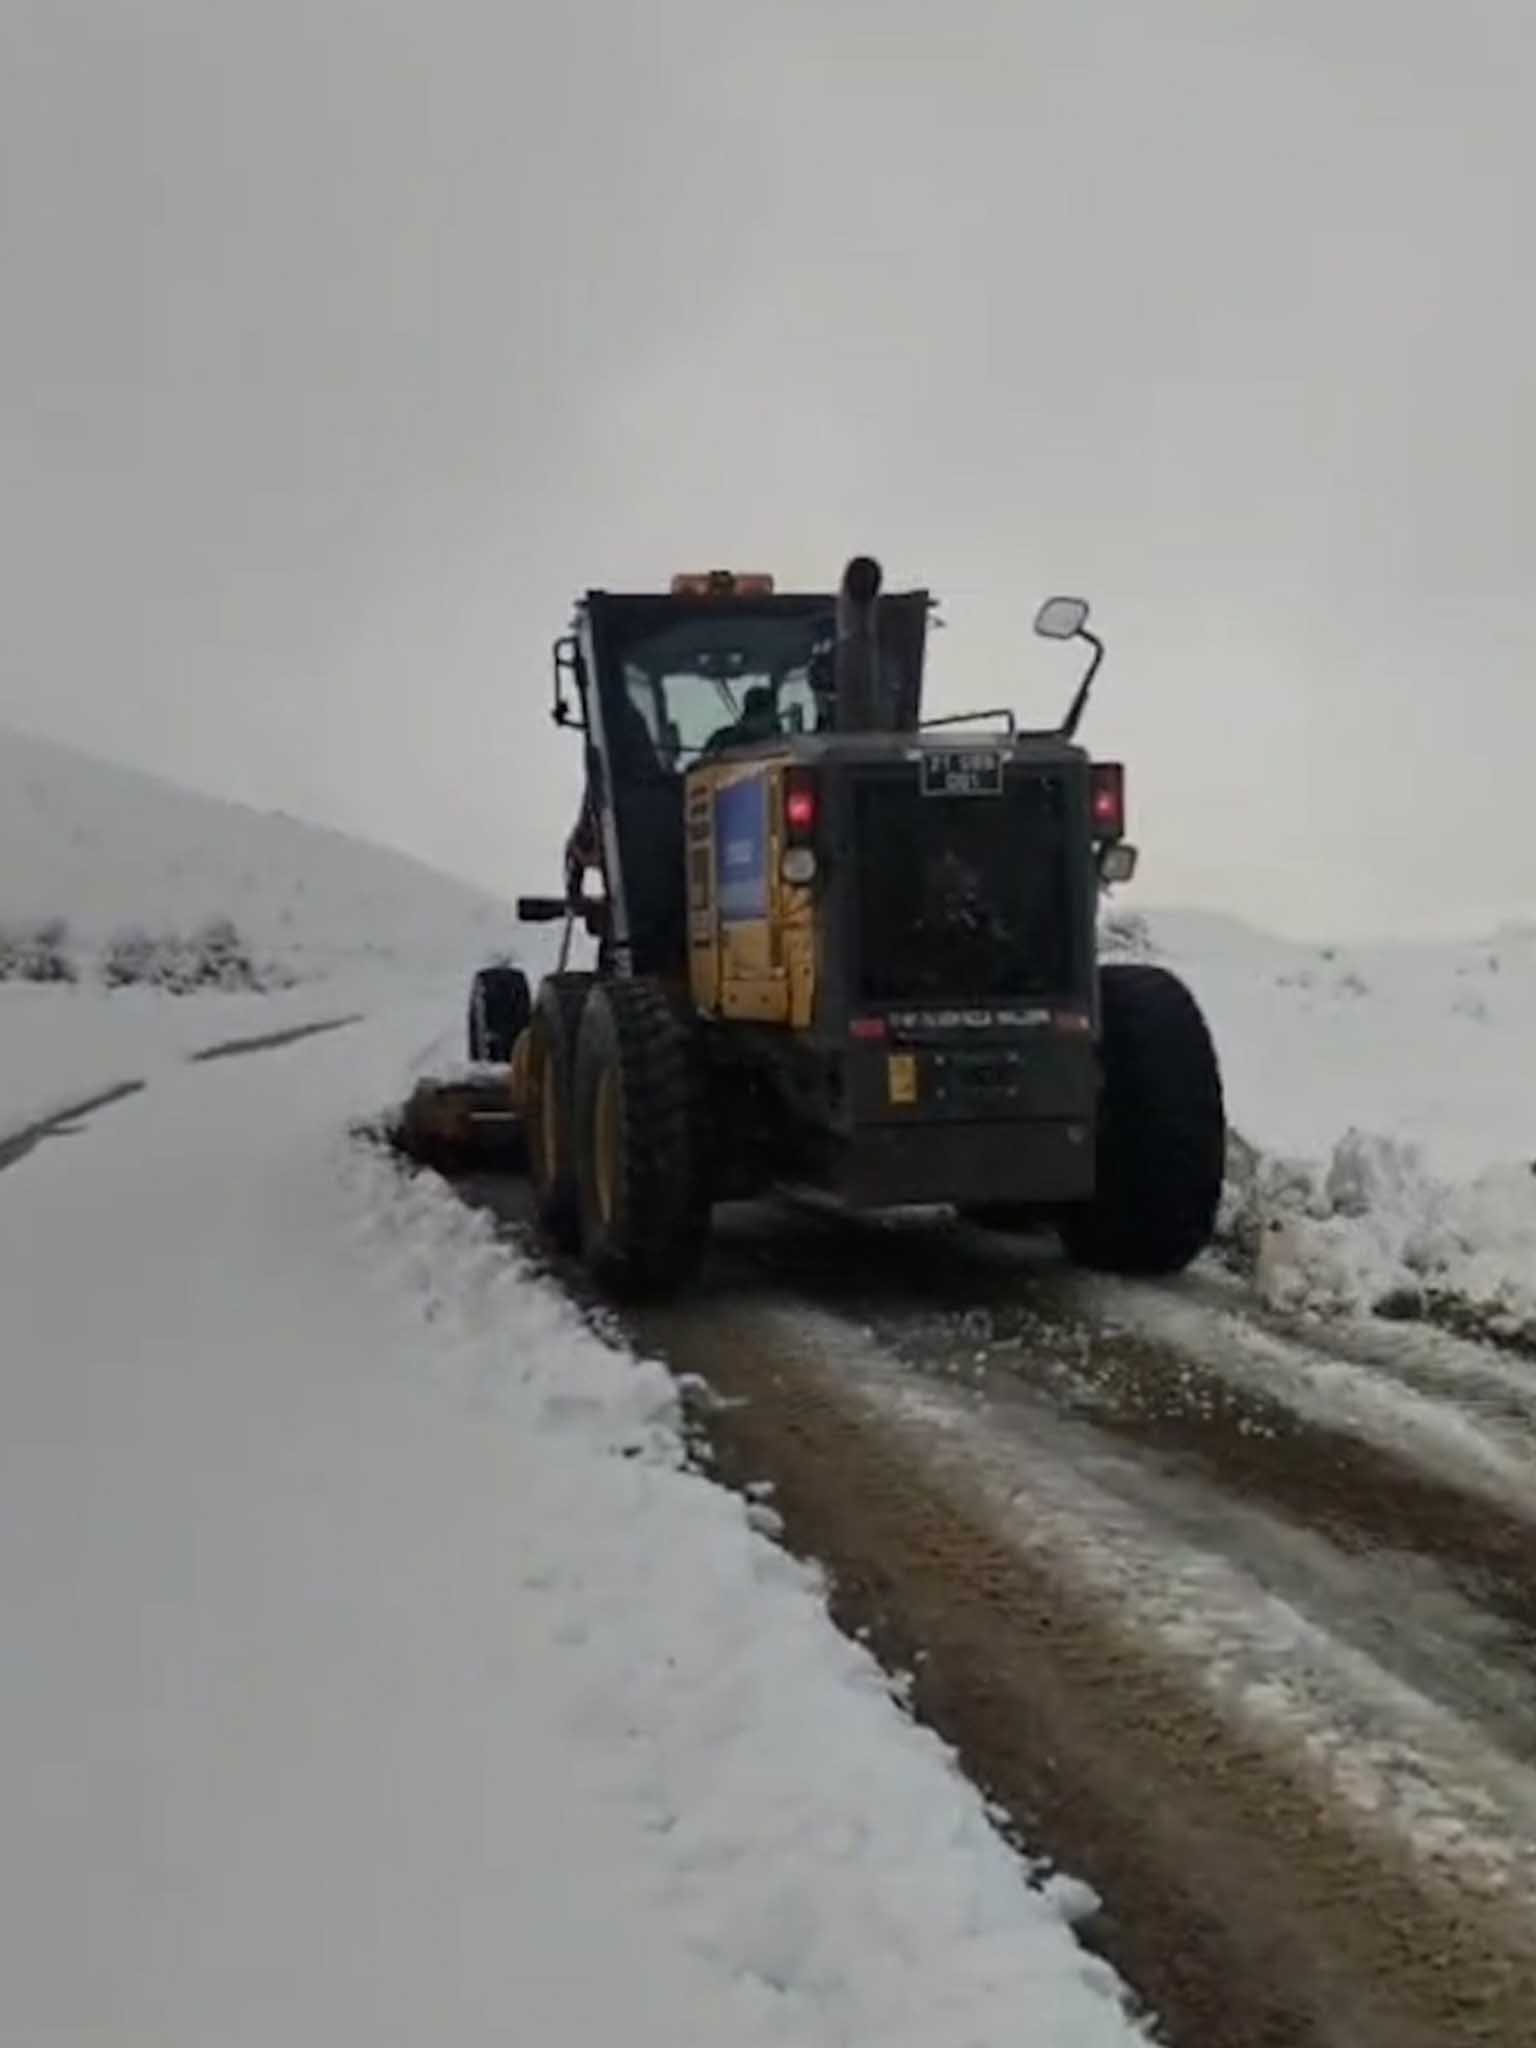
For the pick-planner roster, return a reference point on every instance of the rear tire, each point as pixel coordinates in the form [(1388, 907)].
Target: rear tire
[(552, 1033), (499, 1009), (640, 1140), (1162, 1131)]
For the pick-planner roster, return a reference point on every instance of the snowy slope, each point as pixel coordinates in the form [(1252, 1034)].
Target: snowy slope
[(1385, 1097), (106, 847)]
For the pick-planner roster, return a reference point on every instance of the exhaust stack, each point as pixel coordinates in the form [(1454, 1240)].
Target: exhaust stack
[(860, 699)]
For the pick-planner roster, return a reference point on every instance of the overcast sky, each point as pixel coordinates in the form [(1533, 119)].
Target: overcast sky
[(342, 343)]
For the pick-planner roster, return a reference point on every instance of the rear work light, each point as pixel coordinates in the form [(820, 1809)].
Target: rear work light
[(1107, 800), (720, 583)]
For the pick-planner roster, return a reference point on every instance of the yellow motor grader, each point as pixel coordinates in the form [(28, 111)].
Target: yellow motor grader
[(841, 950)]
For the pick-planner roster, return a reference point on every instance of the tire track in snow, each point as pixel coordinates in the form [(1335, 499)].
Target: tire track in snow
[(62, 1122), (16, 1145), (272, 1041)]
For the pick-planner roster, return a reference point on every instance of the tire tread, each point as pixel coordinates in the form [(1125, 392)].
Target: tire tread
[(1162, 1131)]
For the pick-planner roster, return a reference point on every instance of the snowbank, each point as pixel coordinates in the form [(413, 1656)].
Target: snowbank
[(1385, 1117), (821, 1852)]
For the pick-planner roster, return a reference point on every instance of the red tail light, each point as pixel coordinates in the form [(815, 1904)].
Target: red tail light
[(1107, 800), (799, 806)]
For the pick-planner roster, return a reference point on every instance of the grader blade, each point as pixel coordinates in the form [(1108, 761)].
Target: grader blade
[(460, 1125)]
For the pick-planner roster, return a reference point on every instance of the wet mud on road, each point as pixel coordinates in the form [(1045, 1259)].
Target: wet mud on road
[(1258, 1670)]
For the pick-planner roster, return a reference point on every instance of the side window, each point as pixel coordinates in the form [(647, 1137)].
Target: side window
[(642, 695), (797, 703)]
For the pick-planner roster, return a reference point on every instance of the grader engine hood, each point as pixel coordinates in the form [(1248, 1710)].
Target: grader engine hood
[(844, 885), (962, 898)]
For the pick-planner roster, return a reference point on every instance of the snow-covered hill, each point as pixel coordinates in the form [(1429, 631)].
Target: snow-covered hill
[(1384, 1102), (332, 926), (106, 848)]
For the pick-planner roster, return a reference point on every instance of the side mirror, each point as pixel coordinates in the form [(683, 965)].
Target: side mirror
[(1062, 618)]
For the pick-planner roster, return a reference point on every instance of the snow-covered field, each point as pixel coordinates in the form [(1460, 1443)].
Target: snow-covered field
[(1385, 1104)]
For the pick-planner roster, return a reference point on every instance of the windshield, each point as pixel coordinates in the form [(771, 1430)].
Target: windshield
[(708, 681)]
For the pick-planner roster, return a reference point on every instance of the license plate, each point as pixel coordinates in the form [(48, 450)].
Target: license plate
[(967, 771)]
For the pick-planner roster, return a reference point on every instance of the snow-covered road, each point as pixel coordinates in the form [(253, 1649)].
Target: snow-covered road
[(375, 1671)]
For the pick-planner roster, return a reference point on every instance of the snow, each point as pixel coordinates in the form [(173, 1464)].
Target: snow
[(1387, 1126), (106, 847), (60, 1046), (1427, 1044), (376, 1669), (375, 1666)]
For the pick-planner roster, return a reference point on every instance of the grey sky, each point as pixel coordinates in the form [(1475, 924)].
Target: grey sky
[(344, 342)]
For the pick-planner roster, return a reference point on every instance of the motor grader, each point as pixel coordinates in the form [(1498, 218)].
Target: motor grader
[(843, 951)]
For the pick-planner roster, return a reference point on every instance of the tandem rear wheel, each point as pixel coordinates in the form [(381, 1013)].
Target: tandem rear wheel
[(639, 1140)]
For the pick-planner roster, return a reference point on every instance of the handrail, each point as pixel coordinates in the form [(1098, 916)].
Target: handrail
[(971, 718)]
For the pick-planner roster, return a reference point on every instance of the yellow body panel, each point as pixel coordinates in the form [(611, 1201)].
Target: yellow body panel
[(517, 1074), (753, 966)]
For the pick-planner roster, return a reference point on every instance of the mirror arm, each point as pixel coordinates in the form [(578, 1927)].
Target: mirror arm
[(1080, 701)]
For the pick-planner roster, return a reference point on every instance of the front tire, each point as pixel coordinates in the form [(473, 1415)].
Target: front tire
[(548, 1104), (1162, 1131), (499, 1010), (641, 1169)]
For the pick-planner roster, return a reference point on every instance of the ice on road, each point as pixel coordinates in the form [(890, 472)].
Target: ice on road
[(375, 1671)]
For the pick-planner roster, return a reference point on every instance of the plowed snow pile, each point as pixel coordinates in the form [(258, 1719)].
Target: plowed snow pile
[(1384, 1102)]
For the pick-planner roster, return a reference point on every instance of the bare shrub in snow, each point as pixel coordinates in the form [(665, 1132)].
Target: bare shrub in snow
[(37, 951), (1126, 935), (215, 956), (128, 958)]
